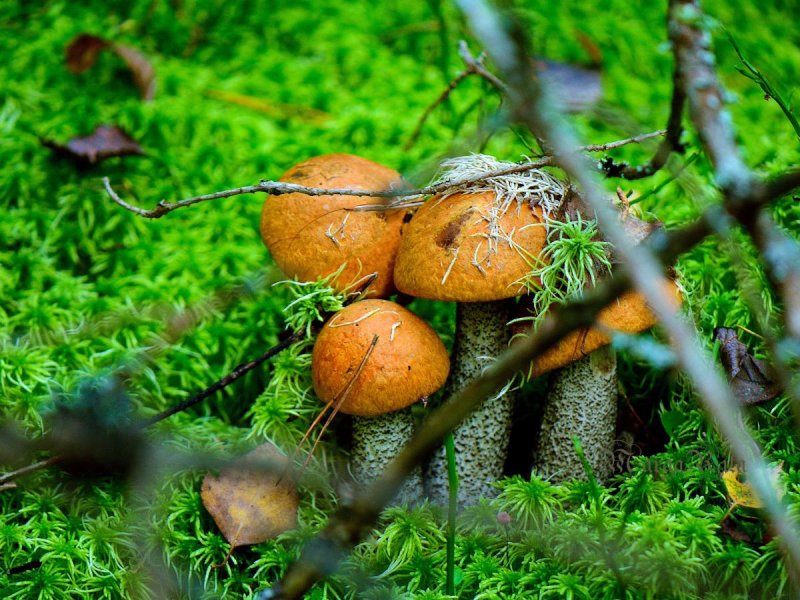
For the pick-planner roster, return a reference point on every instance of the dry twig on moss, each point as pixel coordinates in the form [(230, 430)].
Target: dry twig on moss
[(278, 187)]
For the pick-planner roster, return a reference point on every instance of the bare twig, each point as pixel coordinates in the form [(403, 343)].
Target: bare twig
[(278, 187), (752, 73), (5, 478), (671, 143), (637, 139), (474, 66), (227, 380), (454, 83)]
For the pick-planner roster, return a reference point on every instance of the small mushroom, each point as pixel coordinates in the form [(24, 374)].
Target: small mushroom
[(372, 360), (311, 237), (473, 248), (582, 396)]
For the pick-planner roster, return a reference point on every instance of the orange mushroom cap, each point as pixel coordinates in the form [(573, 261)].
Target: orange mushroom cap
[(311, 237), (408, 362), (628, 314), (446, 252)]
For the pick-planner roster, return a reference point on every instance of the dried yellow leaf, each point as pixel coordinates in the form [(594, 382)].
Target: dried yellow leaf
[(249, 503), (740, 493)]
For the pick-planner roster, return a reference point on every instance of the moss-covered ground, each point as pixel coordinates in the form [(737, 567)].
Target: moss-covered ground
[(86, 286)]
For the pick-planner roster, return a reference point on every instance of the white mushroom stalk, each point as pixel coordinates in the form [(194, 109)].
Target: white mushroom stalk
[(581, 402), (376, 441), (481, 441)]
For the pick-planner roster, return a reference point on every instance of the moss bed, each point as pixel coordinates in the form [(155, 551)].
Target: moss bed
[(86, 286)]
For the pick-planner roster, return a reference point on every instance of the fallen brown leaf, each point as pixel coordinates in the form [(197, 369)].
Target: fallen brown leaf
[(251, 504), (83, 50), (104, 142), (752, 379), (735, 533)]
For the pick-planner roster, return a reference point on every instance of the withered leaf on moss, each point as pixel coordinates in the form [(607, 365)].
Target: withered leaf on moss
[(250, 503), (752, 379), (740, 492), (83, 50), (106, 141)]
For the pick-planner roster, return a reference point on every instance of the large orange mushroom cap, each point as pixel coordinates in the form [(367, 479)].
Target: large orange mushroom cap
[(408, 362), (311, 237), (629, 313), (451, 250)]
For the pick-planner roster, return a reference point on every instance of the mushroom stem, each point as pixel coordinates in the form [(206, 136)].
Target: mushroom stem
[(582, 402), (376, 441), (481, 441)]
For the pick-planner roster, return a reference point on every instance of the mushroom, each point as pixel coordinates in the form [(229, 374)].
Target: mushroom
[(311, 237), (582, 395), (472, 245), (372, 360)]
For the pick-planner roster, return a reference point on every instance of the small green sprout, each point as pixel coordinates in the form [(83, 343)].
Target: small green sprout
[(311, 300), (573, 257)]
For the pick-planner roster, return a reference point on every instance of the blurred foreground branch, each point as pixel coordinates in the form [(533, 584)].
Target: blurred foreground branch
[(696, 75)]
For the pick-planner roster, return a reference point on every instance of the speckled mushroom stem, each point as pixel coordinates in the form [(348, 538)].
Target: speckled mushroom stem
[(481, 441), (582, 402), (376, 441)]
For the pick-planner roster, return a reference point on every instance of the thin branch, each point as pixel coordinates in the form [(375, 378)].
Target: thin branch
[(671, 143), (278, 187), (473, 66), (5, 478), (237, 373), (637, 139), (454, 83), (752, 73)]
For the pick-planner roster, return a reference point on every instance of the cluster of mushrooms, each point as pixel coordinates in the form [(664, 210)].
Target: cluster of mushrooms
[(374, 359)]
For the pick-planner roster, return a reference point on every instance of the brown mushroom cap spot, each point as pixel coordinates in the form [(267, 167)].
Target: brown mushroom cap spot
[(409, 361), (311, 237), (445, 238), (628, 314)]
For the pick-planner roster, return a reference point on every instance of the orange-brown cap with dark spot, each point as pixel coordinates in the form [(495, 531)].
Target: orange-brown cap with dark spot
[(408, 362), (628, 314), (311, 237), (450, 252)]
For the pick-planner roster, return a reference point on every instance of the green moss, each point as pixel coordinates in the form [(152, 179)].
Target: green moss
[(86, 287)]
